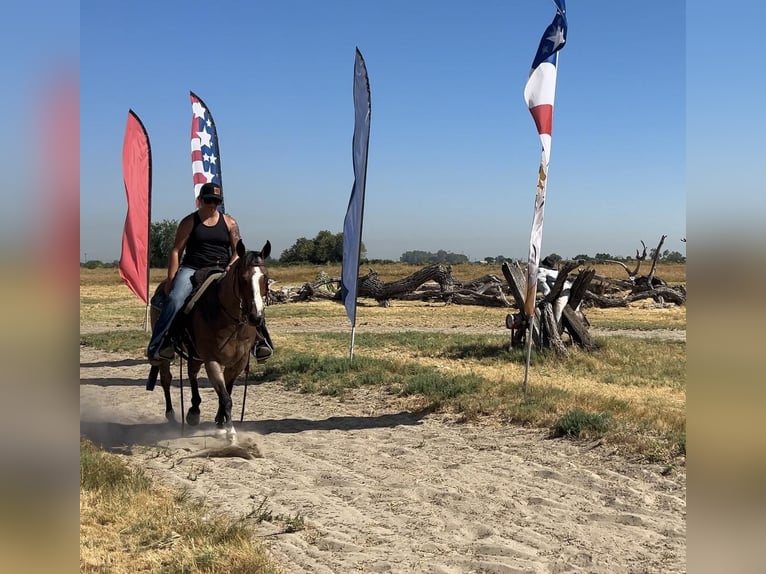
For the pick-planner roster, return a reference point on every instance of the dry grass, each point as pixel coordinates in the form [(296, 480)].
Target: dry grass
[(128, 525)]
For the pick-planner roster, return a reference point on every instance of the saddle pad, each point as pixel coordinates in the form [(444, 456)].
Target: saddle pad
[(198, 293)]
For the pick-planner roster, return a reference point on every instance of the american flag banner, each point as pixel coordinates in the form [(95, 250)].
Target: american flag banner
[(205, 154), (539, 93)]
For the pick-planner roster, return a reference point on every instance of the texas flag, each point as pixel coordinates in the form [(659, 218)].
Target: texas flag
[(540, 89), (539, 94)]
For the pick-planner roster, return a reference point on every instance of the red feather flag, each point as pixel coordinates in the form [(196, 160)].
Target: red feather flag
[(137, 177)]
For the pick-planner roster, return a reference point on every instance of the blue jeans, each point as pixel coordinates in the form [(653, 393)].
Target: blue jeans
[(182, 288)]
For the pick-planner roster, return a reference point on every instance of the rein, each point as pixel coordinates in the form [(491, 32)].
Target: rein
[(244, 310)]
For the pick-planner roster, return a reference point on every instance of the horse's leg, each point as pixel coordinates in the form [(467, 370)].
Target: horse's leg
[(165, 378), (216, 378), (192, 415), (231, 372)]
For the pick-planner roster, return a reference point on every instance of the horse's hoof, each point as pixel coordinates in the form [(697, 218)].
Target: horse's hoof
[(192, 418), (170, 416)]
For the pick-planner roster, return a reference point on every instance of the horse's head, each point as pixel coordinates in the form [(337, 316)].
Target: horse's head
[(251, 270)]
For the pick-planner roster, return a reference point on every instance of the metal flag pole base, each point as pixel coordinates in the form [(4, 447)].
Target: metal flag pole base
[(529, 355), (351, 348)]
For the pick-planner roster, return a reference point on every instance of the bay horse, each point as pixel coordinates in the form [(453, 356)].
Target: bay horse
[(219, 332)]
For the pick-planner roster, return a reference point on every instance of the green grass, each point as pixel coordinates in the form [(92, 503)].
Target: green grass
[(581, 424), (639, 324), (333, 376), (128, 341)]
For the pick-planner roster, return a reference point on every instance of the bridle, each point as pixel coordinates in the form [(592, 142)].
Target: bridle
[(246, 300)]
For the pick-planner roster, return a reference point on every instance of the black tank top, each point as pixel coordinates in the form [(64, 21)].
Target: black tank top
[(207, 246)]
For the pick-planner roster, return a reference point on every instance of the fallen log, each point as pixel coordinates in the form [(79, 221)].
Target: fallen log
[(660, 294)]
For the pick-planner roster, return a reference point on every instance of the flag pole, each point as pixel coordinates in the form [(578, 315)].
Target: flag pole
[(529, 356), (147, 326), (539, 93), (351, 348)]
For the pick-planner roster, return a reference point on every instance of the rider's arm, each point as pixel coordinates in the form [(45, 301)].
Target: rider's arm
[(174, 259), (234, 238)]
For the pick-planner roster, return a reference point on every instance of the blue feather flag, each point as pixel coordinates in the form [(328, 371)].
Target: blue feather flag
[(352, 224)]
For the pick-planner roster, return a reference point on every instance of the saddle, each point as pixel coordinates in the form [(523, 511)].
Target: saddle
[(201, 280)]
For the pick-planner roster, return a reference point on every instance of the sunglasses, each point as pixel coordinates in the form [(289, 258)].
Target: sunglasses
[(211, 201)]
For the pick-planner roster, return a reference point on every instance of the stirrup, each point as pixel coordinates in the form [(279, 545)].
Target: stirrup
[(262, 352)]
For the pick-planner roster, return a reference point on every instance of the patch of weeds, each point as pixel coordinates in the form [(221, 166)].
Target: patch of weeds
[(438, 387), (536, 407), (263, 513), (183, 495), (294, 523), (581, 424), (484, 349), (100, 471)]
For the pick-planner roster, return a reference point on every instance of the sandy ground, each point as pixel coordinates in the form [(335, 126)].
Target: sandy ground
[(386, 491)]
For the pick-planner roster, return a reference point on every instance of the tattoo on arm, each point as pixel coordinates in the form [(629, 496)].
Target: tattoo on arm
[(234, 231)]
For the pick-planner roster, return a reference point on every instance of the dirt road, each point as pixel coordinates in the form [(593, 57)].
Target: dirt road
[(380, 490)]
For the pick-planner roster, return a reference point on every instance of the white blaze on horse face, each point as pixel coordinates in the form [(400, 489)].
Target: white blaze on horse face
[(257, 295)]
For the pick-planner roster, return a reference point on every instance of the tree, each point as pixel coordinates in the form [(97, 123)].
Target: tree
[(326, 247), (301, 251), (441, 256), (162, 235), (673, 257), (554, 258)]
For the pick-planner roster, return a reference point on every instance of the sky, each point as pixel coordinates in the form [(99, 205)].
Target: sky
[(453, 152)]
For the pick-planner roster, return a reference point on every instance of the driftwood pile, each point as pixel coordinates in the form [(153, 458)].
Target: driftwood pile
[(619, 293), (558, 312), (431, 283)]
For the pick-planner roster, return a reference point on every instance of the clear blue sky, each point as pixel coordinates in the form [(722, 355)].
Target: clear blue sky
[(453, 151)]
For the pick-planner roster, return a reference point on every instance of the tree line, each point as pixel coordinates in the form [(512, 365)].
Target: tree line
[(327, 247)]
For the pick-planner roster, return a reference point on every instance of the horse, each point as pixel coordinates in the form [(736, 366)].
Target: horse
[(219, 332)]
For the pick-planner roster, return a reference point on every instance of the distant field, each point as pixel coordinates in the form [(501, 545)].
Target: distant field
[(298, 274)]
